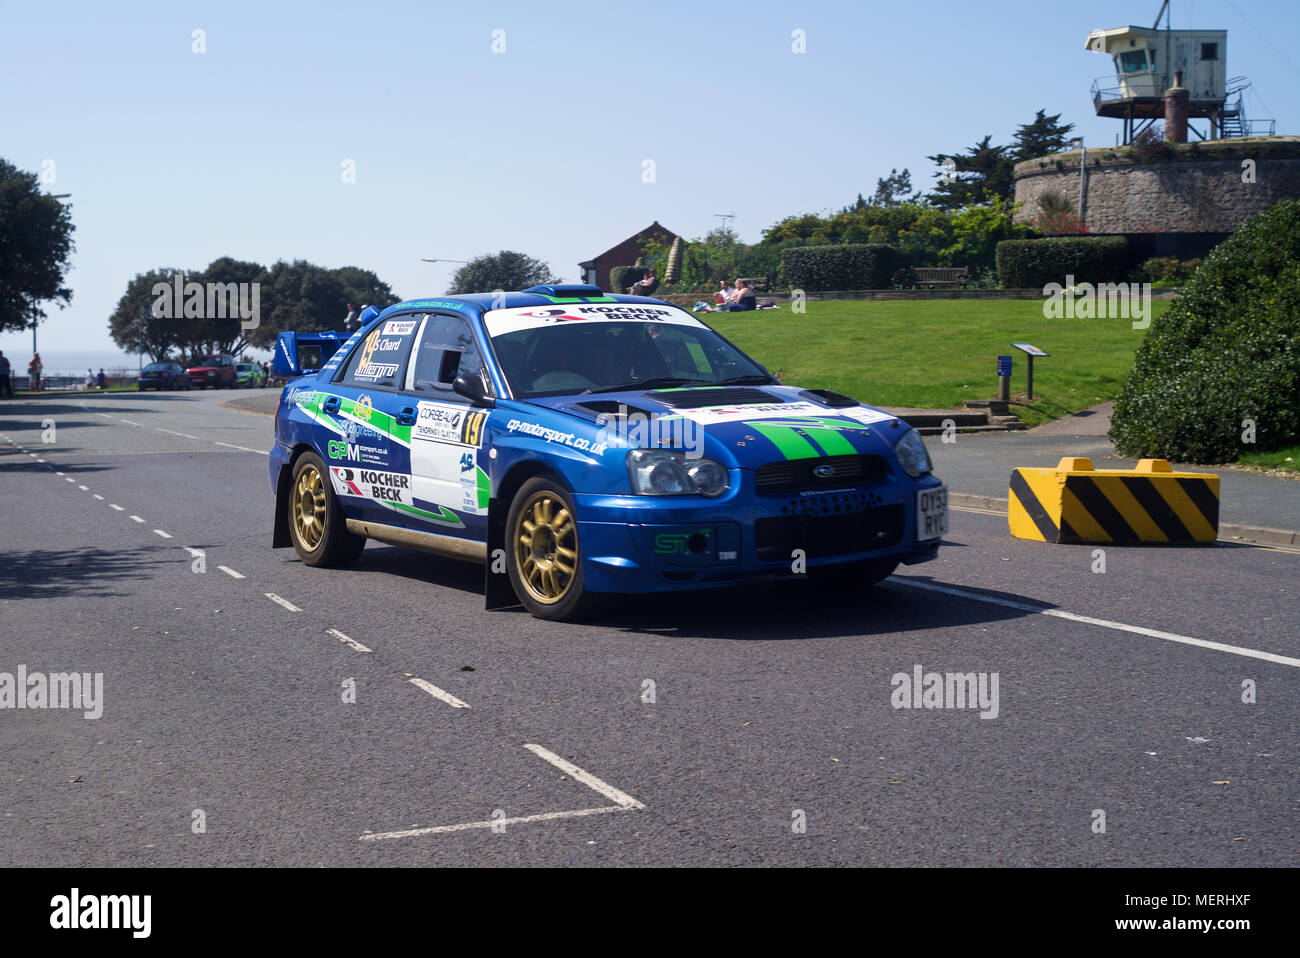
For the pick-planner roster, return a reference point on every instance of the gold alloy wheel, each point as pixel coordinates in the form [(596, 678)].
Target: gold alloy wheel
[(309, 505), (546, 547)]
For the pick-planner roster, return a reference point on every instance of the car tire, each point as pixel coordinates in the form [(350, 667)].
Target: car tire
[(317, 526), (544, 555)]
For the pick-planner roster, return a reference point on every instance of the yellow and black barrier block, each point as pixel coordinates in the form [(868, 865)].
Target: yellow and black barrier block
[(1151, 503)]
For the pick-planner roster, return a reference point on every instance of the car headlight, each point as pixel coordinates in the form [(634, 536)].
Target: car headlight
[(667, 472), (912, 455)]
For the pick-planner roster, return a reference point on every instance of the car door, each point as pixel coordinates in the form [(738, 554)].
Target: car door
[(449, 474), (363, 436)]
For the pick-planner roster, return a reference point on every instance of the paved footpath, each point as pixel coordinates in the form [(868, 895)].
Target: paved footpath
[(980, 464)]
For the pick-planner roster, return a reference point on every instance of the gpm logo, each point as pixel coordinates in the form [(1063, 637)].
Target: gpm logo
[(344, 450)]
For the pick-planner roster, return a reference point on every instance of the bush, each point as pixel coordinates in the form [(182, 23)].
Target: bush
[(1032, 264), (1227, 350), (621, 278), (1166, 270), (843, 266)]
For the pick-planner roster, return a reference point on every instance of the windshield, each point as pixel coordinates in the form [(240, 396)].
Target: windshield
[(157, 368), (560, 354)]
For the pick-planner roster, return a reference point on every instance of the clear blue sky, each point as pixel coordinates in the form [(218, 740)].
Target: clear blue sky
[(174, 158)]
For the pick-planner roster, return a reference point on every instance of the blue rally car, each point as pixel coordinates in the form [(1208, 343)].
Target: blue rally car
[(577, 444)]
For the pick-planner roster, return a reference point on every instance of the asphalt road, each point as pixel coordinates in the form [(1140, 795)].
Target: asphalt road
[(136, 544)]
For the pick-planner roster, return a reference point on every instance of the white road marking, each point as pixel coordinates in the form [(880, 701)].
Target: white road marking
[(159, 532), (57, 473), (348, 641), (284, 602), (117, 507), (104, 414), (67, 478), (197, 553), (438, 693), (523, 820), (1104, 623), (32, 454), (231, 572), (98, 496), (136, 519), (132, 422), (242, 448), (622, 799), (83, 488), (175, 433)]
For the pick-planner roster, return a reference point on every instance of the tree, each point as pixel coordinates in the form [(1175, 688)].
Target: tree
[(1040, 137), (981, 175), (505, 270), (892, 190), (214, 333), (361, 287), (35, 246), (298, 296), (137, 326)]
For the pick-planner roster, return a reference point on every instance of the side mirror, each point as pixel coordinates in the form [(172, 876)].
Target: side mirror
[(471, 387)]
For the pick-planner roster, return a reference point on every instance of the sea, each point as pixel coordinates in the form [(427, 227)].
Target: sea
[(75, 362)]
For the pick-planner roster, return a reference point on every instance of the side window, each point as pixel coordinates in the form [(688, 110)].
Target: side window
[(446, 350), (682, 352), (378, 359)]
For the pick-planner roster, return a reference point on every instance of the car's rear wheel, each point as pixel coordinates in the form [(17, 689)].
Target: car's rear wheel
[(544, 556), (317, 526)]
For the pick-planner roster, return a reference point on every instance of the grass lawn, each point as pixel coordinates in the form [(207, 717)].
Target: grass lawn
[(1286, 459), (932, 354)]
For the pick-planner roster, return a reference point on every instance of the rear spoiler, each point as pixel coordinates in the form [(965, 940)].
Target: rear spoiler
[(297, 354)]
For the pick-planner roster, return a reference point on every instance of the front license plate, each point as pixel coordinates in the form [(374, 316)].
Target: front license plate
[(931, 513)]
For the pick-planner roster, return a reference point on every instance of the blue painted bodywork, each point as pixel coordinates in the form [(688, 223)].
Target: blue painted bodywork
[(629, 543)]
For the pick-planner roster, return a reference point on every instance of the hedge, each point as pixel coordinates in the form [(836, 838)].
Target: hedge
[(621, 278), (1226, 351), (842, 266), (1032, 264)]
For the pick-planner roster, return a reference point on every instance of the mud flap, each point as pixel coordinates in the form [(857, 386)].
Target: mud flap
[(497, 591), (280, 536)]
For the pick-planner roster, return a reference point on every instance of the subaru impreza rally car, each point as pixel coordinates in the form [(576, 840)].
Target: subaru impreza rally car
[(578, 444)]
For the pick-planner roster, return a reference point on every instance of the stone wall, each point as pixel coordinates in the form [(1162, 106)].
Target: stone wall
[(1180, 188)]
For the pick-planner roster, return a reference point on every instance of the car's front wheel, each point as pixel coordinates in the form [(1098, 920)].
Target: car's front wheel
[(317, 526), (544, 556)]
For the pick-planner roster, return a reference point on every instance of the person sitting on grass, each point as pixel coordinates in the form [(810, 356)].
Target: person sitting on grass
[(742, 297)]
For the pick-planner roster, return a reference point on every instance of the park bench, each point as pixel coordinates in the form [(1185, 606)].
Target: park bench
[(954, 276)]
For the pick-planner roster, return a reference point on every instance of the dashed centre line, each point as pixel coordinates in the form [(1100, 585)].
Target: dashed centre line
[(231, 572), (113, 505), (284, 602), (175, 433), (159, 532), (136, 519), (620, 798), (438, 693), (347, 640), (262, 452)]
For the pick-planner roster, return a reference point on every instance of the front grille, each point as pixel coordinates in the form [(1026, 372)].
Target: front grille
[(801, 473), (719, 396), (823, 536)]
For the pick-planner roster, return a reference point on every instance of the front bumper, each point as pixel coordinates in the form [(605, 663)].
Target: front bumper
[(649, 544)]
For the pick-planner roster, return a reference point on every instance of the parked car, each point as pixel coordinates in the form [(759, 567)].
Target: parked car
[(163, 375), (251, 375), (577, 443), (215, 371)]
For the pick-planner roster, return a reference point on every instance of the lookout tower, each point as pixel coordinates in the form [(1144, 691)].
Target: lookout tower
[(1146, 60)]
